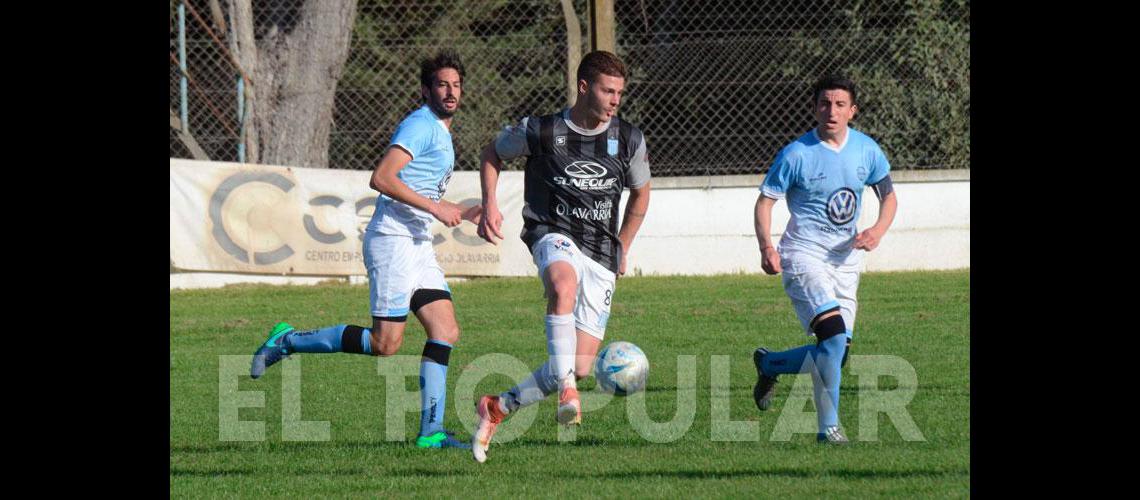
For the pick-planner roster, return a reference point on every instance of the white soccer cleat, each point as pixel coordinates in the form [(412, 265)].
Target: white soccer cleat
[(569, 407), (832, 435), (489, 418)]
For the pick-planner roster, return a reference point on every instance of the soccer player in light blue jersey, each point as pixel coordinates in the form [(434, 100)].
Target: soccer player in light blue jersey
[(403, 273), (822, 176)]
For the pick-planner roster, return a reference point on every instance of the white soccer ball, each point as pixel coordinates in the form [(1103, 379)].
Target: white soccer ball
[(621, 369)]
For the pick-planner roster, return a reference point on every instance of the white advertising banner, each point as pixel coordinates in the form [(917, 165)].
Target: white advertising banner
[(256, 219), (233, 217)]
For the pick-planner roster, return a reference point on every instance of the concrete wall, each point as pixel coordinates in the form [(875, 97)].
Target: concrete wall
[(703, 225), (696, 226)]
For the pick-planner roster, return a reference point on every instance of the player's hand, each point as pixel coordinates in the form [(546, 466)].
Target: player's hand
[(448, 213), (770, 260), (473, 214), (868, 239), (621, 270), (491, 224)]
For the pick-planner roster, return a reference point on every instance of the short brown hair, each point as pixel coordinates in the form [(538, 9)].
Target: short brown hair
[(601, 62)]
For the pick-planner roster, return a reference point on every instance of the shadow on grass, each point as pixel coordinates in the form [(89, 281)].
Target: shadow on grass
[(271, 446), (266, 471), (384, 446), (806, 472)]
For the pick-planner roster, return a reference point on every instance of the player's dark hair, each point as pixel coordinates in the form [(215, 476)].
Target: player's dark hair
[(601, 62), (833, 81), (446, 58)]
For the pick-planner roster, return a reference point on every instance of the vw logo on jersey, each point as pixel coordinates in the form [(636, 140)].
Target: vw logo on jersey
[(841, 206), (585, 170)]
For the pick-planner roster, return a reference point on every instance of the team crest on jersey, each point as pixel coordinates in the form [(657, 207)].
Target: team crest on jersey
[(612, 147), (560, 140), (841, 206)]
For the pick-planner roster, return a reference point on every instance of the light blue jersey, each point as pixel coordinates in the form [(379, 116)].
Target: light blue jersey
[(426, 138), (824, 187)]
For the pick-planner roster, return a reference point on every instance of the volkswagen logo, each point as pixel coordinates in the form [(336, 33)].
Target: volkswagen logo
[(841, 206), (585, 170)]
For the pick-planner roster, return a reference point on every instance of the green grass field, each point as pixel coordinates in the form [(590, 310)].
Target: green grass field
[(922, 318)]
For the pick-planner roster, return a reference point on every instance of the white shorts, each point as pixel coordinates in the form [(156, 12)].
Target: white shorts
[(816, 286), (397, 267), (595, 282)]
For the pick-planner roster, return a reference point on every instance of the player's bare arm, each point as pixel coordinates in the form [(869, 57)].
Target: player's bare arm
[(635, 210), (385, 181), (491, 223), (769, 257), (869, 239)]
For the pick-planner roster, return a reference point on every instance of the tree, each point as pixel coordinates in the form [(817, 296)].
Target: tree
[(292, 54)]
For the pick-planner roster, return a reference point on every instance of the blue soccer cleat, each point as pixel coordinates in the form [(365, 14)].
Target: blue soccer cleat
[(275, 348)]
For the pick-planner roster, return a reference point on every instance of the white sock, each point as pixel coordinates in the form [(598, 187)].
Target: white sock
[(532, 389), (561, 344)]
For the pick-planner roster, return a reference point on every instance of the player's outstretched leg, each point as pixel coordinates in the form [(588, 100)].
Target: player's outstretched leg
[(770, 365), (285, 340)]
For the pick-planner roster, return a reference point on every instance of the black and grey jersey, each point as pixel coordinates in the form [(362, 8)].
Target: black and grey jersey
[(574, 180)]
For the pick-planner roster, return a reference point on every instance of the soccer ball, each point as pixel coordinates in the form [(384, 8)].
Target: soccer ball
[(621, 369)]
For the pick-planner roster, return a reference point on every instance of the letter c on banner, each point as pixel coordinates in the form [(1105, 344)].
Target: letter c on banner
[(311, 225), (219, 231)]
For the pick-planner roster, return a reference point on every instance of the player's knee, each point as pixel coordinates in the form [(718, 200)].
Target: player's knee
[(829, 324), (385, 347), (387, 335), (449, 334), (563, 289)]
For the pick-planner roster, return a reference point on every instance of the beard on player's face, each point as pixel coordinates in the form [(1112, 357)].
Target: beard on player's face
[(437, 105), (443, 96)]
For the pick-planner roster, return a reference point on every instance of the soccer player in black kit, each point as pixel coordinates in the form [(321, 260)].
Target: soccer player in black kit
[(578, 162)]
